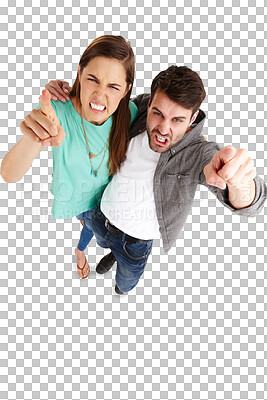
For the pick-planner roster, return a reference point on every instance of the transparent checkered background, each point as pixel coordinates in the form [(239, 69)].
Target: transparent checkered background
[(194, 327)]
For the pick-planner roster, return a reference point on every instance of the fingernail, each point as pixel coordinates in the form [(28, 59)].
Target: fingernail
[(63, 100), (68, 98), (54, 98), (47, 144)]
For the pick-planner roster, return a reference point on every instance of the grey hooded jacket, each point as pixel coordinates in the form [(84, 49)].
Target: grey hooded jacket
[(179, 171)]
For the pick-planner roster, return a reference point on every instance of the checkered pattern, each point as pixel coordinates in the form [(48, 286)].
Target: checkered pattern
[(194, 327)]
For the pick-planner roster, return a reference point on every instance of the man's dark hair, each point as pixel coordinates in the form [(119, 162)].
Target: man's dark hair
[(181, 85)]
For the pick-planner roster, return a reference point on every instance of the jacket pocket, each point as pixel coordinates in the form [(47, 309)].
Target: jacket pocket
[(180, 188)]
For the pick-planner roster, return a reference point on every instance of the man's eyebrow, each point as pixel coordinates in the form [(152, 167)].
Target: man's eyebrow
[(181, 117), (113, 84), (156, 109)]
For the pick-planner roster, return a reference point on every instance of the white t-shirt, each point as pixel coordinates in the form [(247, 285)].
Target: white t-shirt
[(128, 200)]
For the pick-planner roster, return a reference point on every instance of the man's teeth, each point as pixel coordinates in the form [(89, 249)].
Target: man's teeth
[(161, 139), (97, 107)]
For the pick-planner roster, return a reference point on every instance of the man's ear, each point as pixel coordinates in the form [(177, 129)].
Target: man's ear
[(194, 117), (148, 105)]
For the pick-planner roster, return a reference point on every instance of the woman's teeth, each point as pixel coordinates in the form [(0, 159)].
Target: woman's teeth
[(161, 139), (97, 107)]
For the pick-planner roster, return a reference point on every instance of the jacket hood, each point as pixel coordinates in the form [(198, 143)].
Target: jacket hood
[(194, 135), (139, 125)]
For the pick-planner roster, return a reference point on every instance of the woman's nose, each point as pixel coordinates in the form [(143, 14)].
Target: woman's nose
[(100, 91)]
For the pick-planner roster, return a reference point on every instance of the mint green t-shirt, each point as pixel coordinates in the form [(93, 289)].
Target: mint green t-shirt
[(74, 188)]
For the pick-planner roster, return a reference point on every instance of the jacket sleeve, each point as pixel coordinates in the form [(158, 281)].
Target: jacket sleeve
[(255, 208), (139, 124)]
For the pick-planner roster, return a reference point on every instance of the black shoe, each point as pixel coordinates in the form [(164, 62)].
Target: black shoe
[(117, 290), (105, 263)]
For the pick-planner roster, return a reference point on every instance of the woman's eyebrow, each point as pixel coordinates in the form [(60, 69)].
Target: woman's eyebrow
[(93, 76), (115, 84)]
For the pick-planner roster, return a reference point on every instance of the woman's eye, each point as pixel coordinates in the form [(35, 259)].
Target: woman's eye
[(91, 79), (114, 87)]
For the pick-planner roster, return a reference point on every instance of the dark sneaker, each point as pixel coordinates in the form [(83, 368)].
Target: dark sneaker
[(105, 263), (117, 290)]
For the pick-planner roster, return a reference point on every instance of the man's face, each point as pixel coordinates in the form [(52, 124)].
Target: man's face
[(167, 122)]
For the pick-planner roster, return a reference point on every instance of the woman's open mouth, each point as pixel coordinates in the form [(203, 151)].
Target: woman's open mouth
[(97, 107)]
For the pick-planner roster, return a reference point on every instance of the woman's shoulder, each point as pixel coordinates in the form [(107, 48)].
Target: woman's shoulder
[(62, 108)]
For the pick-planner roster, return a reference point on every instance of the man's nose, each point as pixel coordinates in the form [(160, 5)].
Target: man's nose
[(164, 127)]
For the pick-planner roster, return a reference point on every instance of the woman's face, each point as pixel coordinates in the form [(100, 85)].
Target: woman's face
[(103, 85)]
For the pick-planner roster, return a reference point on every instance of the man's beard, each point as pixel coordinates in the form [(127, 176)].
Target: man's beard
[(153, 145), (157, 147)]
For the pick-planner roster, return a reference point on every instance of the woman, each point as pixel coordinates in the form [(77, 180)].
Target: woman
[(89, 134)]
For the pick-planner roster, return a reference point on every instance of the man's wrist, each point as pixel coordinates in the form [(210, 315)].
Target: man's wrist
[(242, 195)]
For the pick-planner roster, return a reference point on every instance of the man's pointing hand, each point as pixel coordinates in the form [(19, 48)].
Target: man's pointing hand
[(230, 166)]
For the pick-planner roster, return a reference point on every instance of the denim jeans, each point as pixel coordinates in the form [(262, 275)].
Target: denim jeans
[(86, 234), (131, 257)]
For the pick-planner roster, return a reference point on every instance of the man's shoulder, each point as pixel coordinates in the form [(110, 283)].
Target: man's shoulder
[(141, 101), (139, 124)]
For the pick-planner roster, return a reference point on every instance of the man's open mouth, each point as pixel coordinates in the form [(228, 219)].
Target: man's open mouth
[(160, 140)]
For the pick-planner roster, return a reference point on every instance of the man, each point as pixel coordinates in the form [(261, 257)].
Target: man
[(152, 193)]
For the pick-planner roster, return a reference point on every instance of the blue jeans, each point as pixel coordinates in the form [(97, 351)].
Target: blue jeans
[(87, 233), (131, 257)]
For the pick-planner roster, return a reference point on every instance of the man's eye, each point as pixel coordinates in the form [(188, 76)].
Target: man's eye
[(177, 120), (157, 113)]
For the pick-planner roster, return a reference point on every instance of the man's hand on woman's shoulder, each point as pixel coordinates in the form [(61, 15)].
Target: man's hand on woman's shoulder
[(59, 90)]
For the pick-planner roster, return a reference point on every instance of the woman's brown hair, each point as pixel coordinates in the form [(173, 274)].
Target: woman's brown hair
[(113, 47)]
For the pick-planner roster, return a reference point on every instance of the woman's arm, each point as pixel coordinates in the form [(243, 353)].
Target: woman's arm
[(40, 128), (19, 159)]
